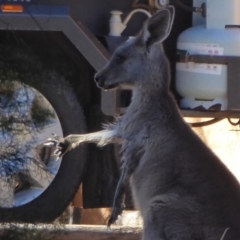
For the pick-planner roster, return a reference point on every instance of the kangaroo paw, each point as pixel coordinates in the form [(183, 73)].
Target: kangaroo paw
[(62, 145), (117, 210)]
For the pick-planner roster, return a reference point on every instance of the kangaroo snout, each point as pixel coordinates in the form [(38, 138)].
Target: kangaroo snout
[(101, 81), (97, 78)]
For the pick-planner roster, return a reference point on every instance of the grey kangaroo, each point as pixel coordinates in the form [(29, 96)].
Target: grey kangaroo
[(181, 188)]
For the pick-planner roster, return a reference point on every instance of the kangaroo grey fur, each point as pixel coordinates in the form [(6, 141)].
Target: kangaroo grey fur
[(182, 190)]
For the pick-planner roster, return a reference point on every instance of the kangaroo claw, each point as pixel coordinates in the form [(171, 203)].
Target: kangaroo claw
[(61, 144), (117, 211)]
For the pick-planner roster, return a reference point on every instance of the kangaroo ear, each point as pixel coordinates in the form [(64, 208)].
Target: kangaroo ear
[(157, 28)]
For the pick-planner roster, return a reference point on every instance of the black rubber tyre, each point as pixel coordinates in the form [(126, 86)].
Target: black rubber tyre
[(53, 201)]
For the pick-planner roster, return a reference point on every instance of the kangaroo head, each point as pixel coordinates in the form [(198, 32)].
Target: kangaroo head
[(139, 57)]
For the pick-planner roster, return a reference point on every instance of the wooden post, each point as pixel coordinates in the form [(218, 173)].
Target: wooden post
[(69, 232)]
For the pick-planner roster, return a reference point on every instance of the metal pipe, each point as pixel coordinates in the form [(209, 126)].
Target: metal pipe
[(133, 12)]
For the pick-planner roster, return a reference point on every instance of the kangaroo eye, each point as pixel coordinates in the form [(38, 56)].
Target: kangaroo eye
[(120, 59)]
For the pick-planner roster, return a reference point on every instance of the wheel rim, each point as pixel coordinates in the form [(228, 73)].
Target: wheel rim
[(27, 167)]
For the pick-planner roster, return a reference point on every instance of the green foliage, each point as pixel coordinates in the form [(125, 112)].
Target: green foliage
[(11, 231)]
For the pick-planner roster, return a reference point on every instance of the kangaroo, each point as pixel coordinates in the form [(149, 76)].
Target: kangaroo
[(181, 188)]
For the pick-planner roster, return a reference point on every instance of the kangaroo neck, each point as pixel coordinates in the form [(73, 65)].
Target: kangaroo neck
[(151, 99)]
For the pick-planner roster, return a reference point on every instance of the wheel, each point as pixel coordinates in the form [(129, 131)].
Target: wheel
[(36, 101)]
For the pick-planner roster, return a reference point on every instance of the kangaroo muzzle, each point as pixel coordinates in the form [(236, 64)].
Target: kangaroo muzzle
[(101, 82)]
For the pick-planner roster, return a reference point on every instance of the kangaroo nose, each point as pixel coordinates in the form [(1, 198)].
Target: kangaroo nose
[(97, 78)]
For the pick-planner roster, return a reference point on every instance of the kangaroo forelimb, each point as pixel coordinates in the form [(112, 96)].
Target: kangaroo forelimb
[(70, 142), (131, 157), (119, 199)]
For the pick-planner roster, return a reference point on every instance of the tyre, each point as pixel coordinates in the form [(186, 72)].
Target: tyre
[(35, 101)]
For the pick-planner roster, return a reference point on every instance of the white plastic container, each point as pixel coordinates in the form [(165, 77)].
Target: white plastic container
[(206, 84)]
